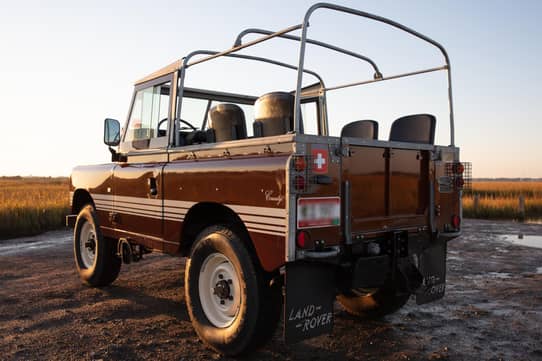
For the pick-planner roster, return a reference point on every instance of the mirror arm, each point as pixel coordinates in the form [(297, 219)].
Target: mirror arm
[(115, 156)]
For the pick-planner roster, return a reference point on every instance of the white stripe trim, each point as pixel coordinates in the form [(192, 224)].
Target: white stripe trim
[(176, 212), (134, 206), (126, 199), (178, 204), (127, 210), (266, 232), (174, 219), (265, 220), (173, 209), (259, 211), (265, 226), (130, 213)]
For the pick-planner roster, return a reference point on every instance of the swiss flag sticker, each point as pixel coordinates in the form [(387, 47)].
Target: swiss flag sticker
[(320, 160)]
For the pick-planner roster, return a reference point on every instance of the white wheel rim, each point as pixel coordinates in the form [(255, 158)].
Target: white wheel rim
[(87, 245), (219, 290)]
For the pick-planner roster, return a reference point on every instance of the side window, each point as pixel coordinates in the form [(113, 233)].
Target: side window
[(149, 115), (193, 111), (309, 114)]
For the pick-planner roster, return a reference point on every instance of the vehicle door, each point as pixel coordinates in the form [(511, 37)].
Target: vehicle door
[(138, 182)]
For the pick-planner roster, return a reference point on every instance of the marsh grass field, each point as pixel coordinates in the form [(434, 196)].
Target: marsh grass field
[(500, 200), (31, 205)]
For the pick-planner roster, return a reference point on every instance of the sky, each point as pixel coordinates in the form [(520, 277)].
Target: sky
[(67, 65)]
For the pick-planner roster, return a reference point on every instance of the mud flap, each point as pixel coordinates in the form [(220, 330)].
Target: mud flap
[(432, 265), (309, 297)]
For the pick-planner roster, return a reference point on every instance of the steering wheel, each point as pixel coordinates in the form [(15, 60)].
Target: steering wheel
[(189, 126)]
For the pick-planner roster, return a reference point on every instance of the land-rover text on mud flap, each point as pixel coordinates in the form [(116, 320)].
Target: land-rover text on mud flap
[(273, 219)]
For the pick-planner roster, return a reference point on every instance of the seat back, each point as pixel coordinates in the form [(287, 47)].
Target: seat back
[(416, 128), (273, 114), (366, 129), (226, 122)]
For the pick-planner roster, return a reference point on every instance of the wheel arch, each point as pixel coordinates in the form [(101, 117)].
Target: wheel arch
[(205, 214), (81, 197)]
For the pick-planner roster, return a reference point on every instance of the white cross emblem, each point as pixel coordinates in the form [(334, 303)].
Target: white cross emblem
[(319, 161)]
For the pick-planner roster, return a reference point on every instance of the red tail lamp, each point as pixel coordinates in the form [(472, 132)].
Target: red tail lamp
[(299, 183), (300, 164), (459, 168), (456, 221), (459, 182), (302, 239)]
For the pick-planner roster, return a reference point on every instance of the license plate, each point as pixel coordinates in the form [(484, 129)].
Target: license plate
[(318, 212)]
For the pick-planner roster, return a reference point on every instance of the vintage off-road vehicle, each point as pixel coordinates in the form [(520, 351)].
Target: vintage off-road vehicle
[(272, 220)]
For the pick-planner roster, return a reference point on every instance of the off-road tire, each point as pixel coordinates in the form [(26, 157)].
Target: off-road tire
[(259, 303), (105, 265), (374, 304)]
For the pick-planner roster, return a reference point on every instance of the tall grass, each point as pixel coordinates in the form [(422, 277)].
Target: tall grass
[(500, 200), (31, 205)]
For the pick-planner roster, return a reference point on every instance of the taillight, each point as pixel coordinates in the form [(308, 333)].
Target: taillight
[(299, 183), (460, 174), (300, 164), (456, 221), (459, 168), (302, 239), (459, 182), (299, 174)]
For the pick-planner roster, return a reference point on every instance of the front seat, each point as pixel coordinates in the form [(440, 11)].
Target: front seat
[(273, 114), (226, 122)]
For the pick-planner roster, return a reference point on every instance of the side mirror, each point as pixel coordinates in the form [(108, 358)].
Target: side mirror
[(111, 132)]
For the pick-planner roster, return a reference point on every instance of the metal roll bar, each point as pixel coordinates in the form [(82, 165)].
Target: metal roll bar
[(239, 41), (304, 40), (214, 54)]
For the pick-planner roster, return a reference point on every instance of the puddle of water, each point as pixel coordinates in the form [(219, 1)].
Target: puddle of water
[(527, 240), (497, 275), (16, 246)]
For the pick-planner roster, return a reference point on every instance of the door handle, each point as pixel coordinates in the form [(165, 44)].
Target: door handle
[(153, 190)]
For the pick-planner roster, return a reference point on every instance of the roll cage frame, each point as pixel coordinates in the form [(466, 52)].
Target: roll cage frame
[(187, 62)]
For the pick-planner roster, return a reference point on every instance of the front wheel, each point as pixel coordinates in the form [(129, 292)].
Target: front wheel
[(95, 255), (232, 307)]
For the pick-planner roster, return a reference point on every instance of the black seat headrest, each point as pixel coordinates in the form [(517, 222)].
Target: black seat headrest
[(366, 129), (416, 128)]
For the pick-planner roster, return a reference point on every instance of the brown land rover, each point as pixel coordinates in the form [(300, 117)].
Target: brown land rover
[(272, 220)]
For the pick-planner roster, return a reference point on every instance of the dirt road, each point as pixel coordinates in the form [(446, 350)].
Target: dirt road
[(492, 309)]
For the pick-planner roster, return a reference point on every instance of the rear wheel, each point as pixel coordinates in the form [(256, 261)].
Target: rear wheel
[(232, 307), (373, 303), (95, 255)]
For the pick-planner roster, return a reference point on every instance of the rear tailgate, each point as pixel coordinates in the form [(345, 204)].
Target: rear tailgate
[(386, 188)]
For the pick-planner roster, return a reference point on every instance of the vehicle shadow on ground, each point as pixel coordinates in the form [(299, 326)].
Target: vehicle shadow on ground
[(146, 305)]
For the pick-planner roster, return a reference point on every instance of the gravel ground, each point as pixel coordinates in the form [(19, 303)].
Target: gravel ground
[(492, 309)]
